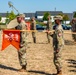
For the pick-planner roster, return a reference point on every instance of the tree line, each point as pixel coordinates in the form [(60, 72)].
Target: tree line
[(10, 16)]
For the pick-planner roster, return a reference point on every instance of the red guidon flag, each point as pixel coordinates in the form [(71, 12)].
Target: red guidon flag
[(28, 25), (11, 37)]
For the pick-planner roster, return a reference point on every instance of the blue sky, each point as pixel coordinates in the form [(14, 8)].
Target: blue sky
[(67, 6)]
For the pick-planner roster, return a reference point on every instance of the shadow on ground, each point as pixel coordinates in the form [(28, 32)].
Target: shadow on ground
[(40, 72), (72, 65), (41, 43), (68, 42), (6, 67)]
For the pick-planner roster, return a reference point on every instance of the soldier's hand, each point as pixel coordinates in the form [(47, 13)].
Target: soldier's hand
[(57, 51), (49, 32), (45, 31)]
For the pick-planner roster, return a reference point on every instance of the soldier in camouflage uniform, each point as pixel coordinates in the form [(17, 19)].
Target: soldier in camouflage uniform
[(23, 42), (49, 27), (73, 24), (33, 27), (58, 43)]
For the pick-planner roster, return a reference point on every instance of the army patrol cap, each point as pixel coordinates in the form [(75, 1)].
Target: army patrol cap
[(74, 18), (21, 15), (58, 17), (33, 18)]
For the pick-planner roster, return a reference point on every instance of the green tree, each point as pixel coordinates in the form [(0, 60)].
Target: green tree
[(7, 18), (74, 15), (7, 14), (0, 18), (45, 17), (61, 14), (12, 15), (65, 18), (7, 21)]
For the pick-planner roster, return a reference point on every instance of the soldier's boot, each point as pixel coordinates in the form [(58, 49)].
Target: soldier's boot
[(48, 40), (59, 72), (34, 39), (75, 41), (23, 69)]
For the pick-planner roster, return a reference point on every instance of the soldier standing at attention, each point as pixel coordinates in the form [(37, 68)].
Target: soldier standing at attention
[(33, 27), (58, 43), (49, 27), (73, 24), (23, 42)]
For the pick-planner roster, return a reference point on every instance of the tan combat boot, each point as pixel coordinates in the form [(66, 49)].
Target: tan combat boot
[(59, 73), (23, 69), (75, 42)]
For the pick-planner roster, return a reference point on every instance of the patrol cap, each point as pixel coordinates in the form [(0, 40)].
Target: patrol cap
[(32, 18), (21, 15), (74, 18), (58, 17)]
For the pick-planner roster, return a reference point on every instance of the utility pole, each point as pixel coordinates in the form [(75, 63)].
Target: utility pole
[(55, 8)]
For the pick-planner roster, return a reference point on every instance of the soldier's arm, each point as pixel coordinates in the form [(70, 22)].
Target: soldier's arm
[(25, 25), (25, 35), (34, 25), (51, 26), (51, 32), (59, 39)]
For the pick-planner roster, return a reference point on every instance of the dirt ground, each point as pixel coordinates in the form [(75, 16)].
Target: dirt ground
[(39, 57)]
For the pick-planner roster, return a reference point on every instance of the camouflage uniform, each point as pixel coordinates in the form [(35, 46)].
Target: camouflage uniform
[(23, 44), (33, 27), (49, 28), (58, 43), (73, 24)]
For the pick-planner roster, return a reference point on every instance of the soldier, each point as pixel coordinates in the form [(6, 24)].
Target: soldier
[(23, 42), (58, 43), (49, 27), (33, 27), (73, 24)]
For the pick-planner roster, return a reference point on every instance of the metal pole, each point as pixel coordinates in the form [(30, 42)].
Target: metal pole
[(11, 5)]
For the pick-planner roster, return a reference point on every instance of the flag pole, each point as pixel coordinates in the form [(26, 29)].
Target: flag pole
[(44, 31)]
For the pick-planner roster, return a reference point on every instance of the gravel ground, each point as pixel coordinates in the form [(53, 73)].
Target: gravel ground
[(39, 57)]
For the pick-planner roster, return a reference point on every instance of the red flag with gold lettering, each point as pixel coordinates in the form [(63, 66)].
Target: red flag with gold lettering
[(11, 37), (28, 25)]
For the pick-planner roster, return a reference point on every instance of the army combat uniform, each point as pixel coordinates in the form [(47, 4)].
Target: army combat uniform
[(58, 43), (23, 44), (74, 29), (33, 27), (49, 28)]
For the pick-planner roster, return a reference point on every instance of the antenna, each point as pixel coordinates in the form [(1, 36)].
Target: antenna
[(10, 4), (55, 8)]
